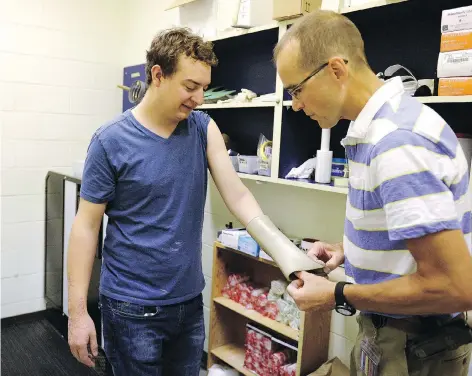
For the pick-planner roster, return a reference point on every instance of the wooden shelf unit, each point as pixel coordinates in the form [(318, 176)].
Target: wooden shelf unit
[(228, 319)]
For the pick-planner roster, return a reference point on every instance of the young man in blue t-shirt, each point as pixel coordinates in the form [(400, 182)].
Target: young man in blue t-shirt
[(147, 170)]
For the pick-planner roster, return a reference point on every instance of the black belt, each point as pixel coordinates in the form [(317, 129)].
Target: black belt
[(415, 324)]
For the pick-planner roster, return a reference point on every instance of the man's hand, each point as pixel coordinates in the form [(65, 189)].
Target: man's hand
[(81, 334), (331, 254), (312, 292)]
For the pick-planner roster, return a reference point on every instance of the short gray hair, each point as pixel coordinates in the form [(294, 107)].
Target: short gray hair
[(323, 34)]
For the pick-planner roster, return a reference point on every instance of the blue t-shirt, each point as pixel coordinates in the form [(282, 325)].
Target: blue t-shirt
[(155, 190)]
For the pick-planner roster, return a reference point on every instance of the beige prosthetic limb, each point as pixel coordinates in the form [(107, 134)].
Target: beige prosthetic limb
[(286, 255)]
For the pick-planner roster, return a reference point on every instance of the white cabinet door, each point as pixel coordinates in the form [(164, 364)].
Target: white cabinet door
[(70, 210)]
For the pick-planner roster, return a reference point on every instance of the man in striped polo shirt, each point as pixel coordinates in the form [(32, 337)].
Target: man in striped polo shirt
[(407, 235)]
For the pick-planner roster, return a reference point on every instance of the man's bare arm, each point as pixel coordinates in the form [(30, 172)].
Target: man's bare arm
[(236, 195), (81, 253), (441, 284)]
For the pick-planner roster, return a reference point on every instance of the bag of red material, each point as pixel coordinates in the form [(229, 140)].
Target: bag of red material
[(236, 279), (255, 362), (288, 370), (249, 360), (235, 285), (260, 302), (255, 297), (251, 340), (265, 355), (244, 293), (279, 359), (271, 310), (258, 350), (266, 347)]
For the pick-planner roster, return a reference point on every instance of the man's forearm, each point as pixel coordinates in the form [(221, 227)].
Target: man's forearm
[(245, 208), (81, 253), (410, 294)]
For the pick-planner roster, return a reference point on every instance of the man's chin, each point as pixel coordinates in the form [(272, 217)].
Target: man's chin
[(183, 115), (327, 123)]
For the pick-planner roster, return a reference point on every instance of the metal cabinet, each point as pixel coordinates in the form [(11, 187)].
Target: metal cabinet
[(62, 202)]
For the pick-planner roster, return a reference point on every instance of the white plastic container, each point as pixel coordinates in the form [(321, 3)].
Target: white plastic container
[(248, 164), (234, 160), (264, 168)]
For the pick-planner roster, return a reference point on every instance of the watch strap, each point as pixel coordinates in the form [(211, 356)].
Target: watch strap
[(339, 293)]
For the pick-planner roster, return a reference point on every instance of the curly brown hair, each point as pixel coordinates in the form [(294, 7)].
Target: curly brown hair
[(169, 44)]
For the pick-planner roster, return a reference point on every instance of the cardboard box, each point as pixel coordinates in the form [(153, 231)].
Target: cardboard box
[(248, 245), (461, 40), (230, 238), (455, 86), (286, 9), (455, 64), (456, 19), (333, 367)]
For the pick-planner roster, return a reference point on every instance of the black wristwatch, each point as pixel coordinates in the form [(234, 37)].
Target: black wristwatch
[(342, 305)]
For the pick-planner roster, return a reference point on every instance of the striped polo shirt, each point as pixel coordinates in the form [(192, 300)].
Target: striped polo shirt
[(408, 178)]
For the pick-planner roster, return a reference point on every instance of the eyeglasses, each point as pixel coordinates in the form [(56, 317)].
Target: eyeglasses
[(296, 90)]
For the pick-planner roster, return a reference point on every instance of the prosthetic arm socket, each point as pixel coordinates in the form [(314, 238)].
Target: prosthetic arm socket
[(286, 255)]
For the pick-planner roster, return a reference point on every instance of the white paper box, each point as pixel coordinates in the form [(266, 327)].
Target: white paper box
[(455, 64), (230, 238), (456, 19), (248, 164)]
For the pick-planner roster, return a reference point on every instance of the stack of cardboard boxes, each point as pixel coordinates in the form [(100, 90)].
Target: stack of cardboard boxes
[(455, 58)]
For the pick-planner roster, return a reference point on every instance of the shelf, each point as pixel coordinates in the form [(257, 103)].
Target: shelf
[(233, 355), (430, 99), (316, 186), (264, 261), (266, 179), (369, 5), (241, 31), (447, 99), (235, 105), (296, 183), (257, 317)]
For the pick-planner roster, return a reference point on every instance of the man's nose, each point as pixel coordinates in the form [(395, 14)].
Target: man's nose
[(198, 97), (297, 105)]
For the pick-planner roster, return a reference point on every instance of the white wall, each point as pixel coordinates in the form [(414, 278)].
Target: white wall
[(144, 18), (59, 68)]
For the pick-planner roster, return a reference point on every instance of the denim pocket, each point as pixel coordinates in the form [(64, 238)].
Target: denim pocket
[(131, 310)]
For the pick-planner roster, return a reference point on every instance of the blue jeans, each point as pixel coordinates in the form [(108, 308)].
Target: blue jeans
[(150, 340)]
